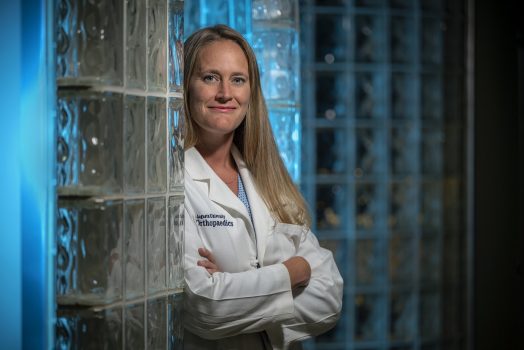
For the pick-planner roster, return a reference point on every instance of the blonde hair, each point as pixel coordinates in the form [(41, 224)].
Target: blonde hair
[(253, 137)]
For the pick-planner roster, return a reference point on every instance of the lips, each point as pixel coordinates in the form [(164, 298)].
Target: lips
[(224, 109)]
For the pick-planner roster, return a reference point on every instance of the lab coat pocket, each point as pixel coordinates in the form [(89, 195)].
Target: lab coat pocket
[(283, 243)]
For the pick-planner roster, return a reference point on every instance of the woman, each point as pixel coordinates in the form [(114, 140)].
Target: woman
[(256, 276)]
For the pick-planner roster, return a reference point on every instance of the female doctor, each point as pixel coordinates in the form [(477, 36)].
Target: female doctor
[(256, 276)]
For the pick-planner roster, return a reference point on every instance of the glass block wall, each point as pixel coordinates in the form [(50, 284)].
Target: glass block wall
[(383, 125), (271, 27), (119, 273)]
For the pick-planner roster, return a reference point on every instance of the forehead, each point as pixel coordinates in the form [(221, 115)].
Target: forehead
[(222, 52)]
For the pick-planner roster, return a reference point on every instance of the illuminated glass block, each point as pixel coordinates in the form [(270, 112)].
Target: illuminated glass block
[(331, 38), (270, 10), (369, 40), (402, 39), (370, 152), (331, 206), (175, 237), (367, 205), (89, 43), (134, 240), (136, 44), (175, 324), (369, 265), (369, 318), (89, 150), (368, 99), (176, 145), (286, 129), (176, 44), (134, 144), (156, 145), (156, 245), (203, 13), (331, 158), (157, 46), (89, 252), (404, 149), (134, 326), (402, 312), (157, 323), (401, 259), (332, 92), (403, 207), (403, 96)]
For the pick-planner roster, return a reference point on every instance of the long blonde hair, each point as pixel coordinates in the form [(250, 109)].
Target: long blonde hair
[(253, 137)]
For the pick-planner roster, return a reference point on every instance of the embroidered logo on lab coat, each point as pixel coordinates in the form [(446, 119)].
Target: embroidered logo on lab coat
[(213, 220)]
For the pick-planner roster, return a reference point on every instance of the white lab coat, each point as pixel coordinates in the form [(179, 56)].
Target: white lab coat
[(232, 309)]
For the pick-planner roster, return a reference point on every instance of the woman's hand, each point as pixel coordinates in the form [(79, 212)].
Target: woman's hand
[(299, 271), (209, 262)]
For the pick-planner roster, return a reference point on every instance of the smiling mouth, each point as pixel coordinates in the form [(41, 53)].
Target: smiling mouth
[(222, 109)]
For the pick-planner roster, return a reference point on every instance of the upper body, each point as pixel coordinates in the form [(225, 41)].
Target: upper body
[(256, 278)]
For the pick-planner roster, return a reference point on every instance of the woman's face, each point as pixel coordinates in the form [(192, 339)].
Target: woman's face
[(219, 88)]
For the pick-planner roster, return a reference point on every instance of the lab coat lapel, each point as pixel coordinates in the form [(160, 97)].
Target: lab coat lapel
[(262, 218)]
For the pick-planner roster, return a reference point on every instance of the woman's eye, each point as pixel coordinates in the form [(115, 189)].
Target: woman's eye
[(239, 80), (209, 78)]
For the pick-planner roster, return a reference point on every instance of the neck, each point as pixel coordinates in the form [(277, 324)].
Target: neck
[(216, 152)]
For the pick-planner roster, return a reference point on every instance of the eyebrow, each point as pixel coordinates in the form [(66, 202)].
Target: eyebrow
[(214, 71)]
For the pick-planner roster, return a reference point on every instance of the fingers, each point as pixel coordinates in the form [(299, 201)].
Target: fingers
[(299, 271), (205, 253), (209, 262)]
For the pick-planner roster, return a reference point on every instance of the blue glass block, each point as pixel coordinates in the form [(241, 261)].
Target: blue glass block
[(432, 206), (134, 254), (404, 150), (89, 260), (157, 46), (369, 317), (156, 245), (402, 312), (136, 44), (429, 259), (331, 152), (403, 37), (369, 41), (134, 326), (368, 99), (175, 324), (369, 263), (134, 144), (176, 145), (432, 152), (332, 92), (371, 152), (176, 45), (175, 241), (87, 329), (157, 323), (278, 61), (156, 145), (368, 205), (432, 49), (331, 38), (402, 259), (403, 96), (203, 13), (89, 147), (274, 11), (331, 206), (429, 315), (403, 207), (285, 123), (431, 98)]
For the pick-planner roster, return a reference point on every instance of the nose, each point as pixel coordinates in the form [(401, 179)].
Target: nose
[(224, 91)]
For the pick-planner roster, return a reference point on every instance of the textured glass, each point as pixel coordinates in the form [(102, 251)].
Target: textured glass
[(89, 252), (402, 311), (401, 256), (235, 13), (286, 129), (134, 326), (401, 40), (156, 145), (330, 156), (367, 206), (136, 44), (270, 10), (176, 44), (89, 150), (89, 42), (331, 202), (156, 244), (368, 316), (403, 207), (157, 46), (134, 144), (88, 329), (370, 152), (331, 38), (404, 149), (175, 237), (369, 102), (332, 93), (176, 145), (369, 38), (368, 261), (175, 330), (134, 238), (157, 323), (403, 96)]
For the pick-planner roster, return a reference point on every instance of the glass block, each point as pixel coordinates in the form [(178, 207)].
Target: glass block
[(175, 324), (278, 59), (401, 259), (176, 145), (330, 151), (432, 151), (134, 144), (429, 315), (156, 244), (157, 323), (89, 147), (431, 211), (134, 326), (156, 145), (89, 43), (89, 252), (402, 39), (332, 94), (331, 38), (402, 312), (431, 37), (235, 13), (87, 329), (403, 96), (369, 102), (176, 44), (403, 207), (134, 239), (367, 203), (331, 205), (136, 44), (404, 150), (157, 46), (175, 236), (273, 10), (430, 261), (285, 123), (369, 317), (369, 40), (371, 149), (368, 262), (431, 97)]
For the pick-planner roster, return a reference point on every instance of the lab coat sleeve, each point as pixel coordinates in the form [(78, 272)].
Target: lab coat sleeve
[(226, 304)]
